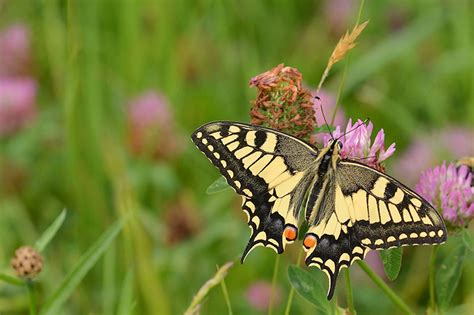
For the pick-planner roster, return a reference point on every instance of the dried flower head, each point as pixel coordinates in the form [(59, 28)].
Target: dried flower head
[(182, 220), (27, 262), (282, 103), (449, 189), (17, 104), (356, 144)]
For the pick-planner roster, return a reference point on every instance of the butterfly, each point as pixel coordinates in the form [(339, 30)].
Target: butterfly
[(350, 208)]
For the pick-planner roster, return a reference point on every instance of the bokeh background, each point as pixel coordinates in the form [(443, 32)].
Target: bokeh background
[(98, 100)]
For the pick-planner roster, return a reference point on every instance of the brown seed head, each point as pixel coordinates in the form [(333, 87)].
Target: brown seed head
[(27, 262), (282, 103)]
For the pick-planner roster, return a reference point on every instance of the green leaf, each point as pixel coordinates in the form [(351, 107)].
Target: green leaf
[(11, 279), (218, 185), (50, 232), (310, 287), (392, 262), (75, 276), (448, 275), (467, 239)]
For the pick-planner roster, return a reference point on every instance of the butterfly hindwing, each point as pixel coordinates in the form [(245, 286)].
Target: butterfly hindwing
[(267, 168), (335, 245), (365, 209), (386, 213)]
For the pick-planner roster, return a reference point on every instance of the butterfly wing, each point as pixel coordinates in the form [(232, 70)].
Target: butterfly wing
[(365, 209), (268, 169)]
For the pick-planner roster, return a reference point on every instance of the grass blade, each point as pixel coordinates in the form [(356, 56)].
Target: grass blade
[(50, 232), (11, 280), (204, 290), (87, 261), (126, 303)]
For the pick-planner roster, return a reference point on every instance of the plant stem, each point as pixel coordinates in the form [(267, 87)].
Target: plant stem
[(385, 288), (32, 295), (350, 297), (274, 281), (226, 295), (341, 86), (292, 290), (432, 271)]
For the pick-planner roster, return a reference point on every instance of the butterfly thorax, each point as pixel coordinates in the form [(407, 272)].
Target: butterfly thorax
[(325, 166)]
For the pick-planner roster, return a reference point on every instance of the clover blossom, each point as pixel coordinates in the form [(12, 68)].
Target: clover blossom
[(449, 189), (356, 144), (17, 104), (15, 54), (151, 124), (259, 295)]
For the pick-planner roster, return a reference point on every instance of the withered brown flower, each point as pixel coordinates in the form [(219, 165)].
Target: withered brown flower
[(282, 102)]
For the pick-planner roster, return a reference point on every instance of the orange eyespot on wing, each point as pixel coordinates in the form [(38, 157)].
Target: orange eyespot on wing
[(310, 241), (290, 233)]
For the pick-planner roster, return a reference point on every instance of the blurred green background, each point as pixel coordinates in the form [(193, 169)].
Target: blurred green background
[(108, 93)]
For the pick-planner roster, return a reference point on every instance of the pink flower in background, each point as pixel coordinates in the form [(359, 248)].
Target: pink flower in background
[(449, 189), (426, 151), (151, 123), (356, 144), (17, 104), (338, 14), (327, 103), (15, 58), (259, 295)]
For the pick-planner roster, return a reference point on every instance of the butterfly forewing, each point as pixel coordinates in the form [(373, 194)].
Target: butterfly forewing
[(267, 168)]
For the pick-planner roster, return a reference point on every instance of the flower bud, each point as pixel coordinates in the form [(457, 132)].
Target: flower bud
[(27, 262)]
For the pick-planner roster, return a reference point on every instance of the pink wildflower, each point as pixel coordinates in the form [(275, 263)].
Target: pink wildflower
[(17, 104), (327, 103), (151, 126), (259, 295), (356, 144), (449, 189), (15, 59), (338, 14), (425, 151)]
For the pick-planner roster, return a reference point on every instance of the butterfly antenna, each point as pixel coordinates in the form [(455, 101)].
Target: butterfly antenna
[(324, 117), (353, 129)]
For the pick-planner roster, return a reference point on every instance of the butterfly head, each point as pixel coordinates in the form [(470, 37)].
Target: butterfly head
[(334, 148)]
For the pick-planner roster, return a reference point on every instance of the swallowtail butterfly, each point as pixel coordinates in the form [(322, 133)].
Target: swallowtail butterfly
[(350, 208)]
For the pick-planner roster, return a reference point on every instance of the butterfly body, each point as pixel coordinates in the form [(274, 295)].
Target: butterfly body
[(350, 208)]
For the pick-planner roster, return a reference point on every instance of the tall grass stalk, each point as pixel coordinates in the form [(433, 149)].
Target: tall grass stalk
[(432, 274), (343, 80), (30, 287), (276, 268), (397, 301)]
